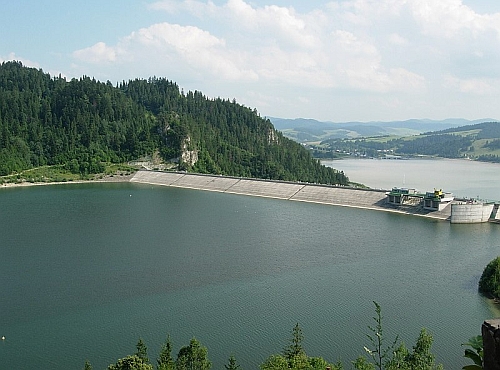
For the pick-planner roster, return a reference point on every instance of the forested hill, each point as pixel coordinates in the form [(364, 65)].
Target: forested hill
[(479, 142), (83, 124)]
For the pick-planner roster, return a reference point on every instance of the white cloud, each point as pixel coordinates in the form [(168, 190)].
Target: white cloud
[(13, 57), (97, 53), (391, 47), (473, 86), (451, 18), (173, 45)]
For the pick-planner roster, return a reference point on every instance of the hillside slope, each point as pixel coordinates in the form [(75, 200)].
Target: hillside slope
[(479, 141), (82, 124), (311, 131)]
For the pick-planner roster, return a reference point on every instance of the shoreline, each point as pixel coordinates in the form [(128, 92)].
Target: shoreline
[(107, 178), (367, 199)]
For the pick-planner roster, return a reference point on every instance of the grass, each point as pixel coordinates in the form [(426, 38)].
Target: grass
[(57, 173), (479, 149)]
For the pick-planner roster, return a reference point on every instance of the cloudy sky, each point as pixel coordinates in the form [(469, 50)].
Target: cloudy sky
[(346, 60)]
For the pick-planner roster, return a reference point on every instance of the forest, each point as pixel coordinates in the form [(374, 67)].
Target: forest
[(82, 125)]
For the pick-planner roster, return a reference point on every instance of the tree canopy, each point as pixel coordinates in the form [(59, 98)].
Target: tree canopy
[(489, 283), (294, 357)]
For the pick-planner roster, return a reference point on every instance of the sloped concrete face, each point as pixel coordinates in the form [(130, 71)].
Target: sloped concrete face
[(324, 194), (341, 196), (270, 189), (156, 178), (212, 183)]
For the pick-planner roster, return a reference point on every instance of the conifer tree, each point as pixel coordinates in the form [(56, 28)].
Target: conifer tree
[(142, 351), (165, 360), (232, 365), (295, 348)]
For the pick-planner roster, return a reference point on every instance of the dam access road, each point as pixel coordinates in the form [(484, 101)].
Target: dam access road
[(300, 192)]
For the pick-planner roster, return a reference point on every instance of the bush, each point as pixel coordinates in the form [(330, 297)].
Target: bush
[(489, 283)]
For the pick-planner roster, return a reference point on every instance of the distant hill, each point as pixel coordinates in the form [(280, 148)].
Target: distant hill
[(313, 131), (480, 141), (82, 124)]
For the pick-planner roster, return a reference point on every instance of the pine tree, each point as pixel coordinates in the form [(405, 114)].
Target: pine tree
[(295, 347), (142, 351), (232, 365), (165, 360)]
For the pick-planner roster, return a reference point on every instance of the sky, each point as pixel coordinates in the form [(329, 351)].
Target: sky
[(346, 60)]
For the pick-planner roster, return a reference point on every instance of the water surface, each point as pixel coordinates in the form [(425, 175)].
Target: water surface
[(462, 177), (88, 269)]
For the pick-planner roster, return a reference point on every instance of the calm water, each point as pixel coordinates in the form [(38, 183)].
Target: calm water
[(463, 178), (88, 269)]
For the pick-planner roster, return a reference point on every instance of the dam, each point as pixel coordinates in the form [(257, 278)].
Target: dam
[(292, 191)]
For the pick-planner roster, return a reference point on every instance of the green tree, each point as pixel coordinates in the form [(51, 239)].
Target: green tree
[(475, 353), (87, 365), (165, 360), (295, 349), (379, 353), (392, 357), (193, 357), (232, 364), (489, 283), (420, 358), (142, 351), (294, 357), (275, 362), (130, 363), (361, 363)]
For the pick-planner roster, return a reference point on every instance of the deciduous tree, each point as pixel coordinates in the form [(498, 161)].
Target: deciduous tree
[(193, 357), (130, 363)]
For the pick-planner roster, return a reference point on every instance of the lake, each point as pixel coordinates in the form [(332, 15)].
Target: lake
[(88, 269), (462, 177)]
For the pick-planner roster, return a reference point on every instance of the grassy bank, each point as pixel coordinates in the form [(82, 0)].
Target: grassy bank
[(50, 174)]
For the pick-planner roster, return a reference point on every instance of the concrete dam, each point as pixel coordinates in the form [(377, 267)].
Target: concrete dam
[(293, 191)]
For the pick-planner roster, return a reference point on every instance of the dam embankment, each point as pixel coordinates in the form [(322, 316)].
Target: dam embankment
[(301, 192)]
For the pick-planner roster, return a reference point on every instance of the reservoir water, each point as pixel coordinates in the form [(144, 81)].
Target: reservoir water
[(461, 177), (88, 269)]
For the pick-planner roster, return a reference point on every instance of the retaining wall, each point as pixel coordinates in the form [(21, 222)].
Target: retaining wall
[(469, 213)]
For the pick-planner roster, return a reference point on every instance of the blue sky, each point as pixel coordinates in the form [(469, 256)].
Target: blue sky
[(348, 60)]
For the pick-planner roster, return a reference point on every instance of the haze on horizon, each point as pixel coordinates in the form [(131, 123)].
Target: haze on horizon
[(347, 60)]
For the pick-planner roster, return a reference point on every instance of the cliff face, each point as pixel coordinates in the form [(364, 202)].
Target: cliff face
[(189, 157), (490, 331)]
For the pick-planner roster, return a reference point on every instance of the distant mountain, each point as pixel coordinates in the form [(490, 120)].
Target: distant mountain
[(479, 141), (311, 131)]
